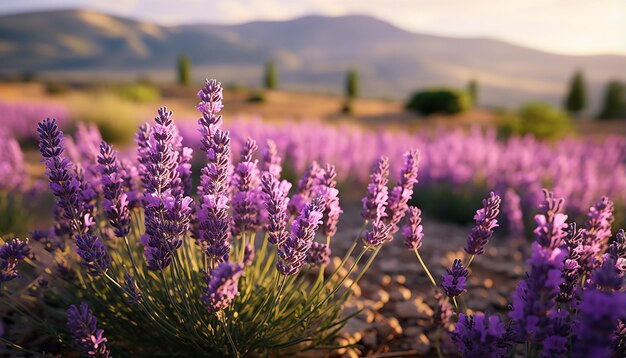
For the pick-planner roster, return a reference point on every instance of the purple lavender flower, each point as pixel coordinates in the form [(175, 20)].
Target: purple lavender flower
[(271, 160), (617, 251), (597, 320), (379, 234), (607, 277), (115, 201), (133, 292), (534, 302), (375, 202), (184, 170), (413, 232), (402, 192), (294, 251), (167, 211), (598, 223), (571, 268), (453, 283), (222, 287), (64, 182), (551, 226), (276, 202), (319, 254), (246, 200), (484, 223), (93, 253), (11, 254), (213, 227), (326, 188), (304, 189), (84, 328), (481, 336), (443, 311)]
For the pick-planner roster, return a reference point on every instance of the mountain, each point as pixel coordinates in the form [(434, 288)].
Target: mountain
[(313, 54)]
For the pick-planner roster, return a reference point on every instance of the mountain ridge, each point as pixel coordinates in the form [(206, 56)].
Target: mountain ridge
[(313, 52)]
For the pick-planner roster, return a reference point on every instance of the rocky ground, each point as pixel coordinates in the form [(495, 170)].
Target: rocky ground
[(396, 298)]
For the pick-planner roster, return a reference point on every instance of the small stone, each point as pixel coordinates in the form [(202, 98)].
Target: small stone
[(400, 293), (388, 328), (385, 280), (367, 315), (351, 307), (421, 344), (380, 296), (413, 331), (353, 330), (488, 283), (399, 279), (370, 339), (351, 353), (415, 308)]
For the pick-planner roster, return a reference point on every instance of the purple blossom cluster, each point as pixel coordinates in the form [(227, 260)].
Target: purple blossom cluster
[(453, 283), (221, 287), (484, 223), (294, 251), (461, 159), (481, 335), (19, 118), (11, 254), (167, 209), (83, 326)]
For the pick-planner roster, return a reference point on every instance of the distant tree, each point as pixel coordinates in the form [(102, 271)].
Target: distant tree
[(352, 84), (439, 100), (472, 90), (576, 99), (614, 103), (184, 70), (271, 76), (542, 120)]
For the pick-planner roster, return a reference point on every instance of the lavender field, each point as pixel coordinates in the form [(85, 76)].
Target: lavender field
[(146, 211), (238, 249)]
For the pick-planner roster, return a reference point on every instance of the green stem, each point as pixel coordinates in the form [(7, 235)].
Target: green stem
[(419, 257), (469, 261), (220, 318)]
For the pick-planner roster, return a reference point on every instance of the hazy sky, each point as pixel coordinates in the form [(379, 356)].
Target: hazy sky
[(570, 26)]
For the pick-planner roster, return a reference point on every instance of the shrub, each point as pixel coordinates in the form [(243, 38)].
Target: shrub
[(257, 96), (138, 92), (444, 100), (539, 119)]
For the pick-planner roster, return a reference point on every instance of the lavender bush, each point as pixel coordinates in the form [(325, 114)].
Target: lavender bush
[(239, 270)]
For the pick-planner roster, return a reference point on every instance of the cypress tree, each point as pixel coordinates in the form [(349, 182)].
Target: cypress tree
[(352, 84), (271, 76), (614, 102), (472, 90), (184, 70), (576, 99)]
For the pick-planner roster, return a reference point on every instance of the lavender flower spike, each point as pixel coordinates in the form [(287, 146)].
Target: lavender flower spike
[(84, 328), (271, 160), (402, 192), (222, 287), (551, 227), (11, 254), (93, 253), (293, 253), (485, 221), (319, 254), (375, 202), (413, 232), (115, 201), (480, 336), (276, 203), (379, 234), (453, 282)]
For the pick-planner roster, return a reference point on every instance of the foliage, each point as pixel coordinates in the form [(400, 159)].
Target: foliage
[(184, 70), (439, 100), (138, 92), (270, 79), (539, 119), (472, 90), (257, 96), (614, 101), (576, 99), (352, 83)]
